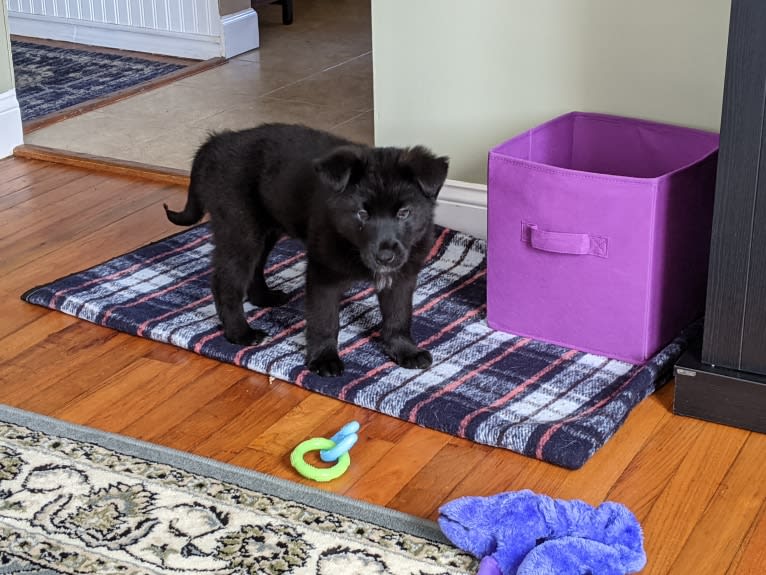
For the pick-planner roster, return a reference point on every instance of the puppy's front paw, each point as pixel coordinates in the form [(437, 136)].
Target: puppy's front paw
[(415, 359), (328, 364), (249, 337)]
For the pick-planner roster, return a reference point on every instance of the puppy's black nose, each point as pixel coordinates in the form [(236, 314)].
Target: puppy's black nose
[(385, 256)]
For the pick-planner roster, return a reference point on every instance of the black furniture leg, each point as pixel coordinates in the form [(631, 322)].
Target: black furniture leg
[(287, 11)]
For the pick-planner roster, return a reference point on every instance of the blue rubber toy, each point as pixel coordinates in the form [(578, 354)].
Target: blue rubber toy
[(343, 440), (524, 533)]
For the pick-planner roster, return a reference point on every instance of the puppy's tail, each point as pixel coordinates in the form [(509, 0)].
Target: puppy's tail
[(191, 214), (194, 209)]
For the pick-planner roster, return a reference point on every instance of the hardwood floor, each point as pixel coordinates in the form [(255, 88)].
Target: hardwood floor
[(698, 488)]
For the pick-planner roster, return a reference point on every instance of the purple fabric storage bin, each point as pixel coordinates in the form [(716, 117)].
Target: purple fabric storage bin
[(599, 233)]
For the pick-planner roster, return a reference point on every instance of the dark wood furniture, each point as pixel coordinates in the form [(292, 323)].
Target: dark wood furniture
[(723, 378)]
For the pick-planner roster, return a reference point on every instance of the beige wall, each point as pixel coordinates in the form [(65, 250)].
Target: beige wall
[(6, 71), (232, 6), (462, 76)]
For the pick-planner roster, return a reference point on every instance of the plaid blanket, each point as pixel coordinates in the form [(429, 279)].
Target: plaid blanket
[(555, 404)]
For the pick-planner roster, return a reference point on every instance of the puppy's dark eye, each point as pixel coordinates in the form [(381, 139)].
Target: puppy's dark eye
[(362, 215), (403, 214)]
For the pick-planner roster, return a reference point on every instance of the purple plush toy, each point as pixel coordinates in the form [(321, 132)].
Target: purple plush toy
[(524, 533)]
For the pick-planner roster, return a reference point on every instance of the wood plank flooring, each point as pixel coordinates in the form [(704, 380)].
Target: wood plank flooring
[(698, 488)]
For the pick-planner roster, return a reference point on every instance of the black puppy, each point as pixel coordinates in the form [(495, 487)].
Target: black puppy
[(362, 213)]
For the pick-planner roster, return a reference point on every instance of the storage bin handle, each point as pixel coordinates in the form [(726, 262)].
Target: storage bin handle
[(564, 242)]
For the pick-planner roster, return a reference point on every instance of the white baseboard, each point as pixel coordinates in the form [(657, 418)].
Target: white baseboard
[(122, 37), (11, 134), (240, 32), (463, 206)]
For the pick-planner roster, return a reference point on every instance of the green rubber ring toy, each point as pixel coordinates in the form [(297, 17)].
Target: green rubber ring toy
[(321, 474)]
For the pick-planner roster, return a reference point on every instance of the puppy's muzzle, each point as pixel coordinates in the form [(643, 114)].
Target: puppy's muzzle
[(385, 257), (389, 255)]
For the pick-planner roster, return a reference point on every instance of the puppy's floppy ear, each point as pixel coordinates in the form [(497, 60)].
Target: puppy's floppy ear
[(428, 171), (340, 167)]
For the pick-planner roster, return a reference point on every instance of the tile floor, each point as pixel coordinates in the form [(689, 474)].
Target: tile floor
[(318, 72)]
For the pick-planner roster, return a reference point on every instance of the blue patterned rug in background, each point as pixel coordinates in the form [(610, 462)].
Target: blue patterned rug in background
[(49, 79), (535, 398)]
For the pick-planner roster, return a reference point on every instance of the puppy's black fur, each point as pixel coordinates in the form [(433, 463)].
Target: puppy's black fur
[(363, 214)]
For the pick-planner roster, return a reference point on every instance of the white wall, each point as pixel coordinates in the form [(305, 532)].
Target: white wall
[(10, 115), (184, 28), (6, 64), (462, 76), (194, 16)]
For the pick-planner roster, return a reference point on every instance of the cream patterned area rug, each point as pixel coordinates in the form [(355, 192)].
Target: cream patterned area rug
[(76, 500)]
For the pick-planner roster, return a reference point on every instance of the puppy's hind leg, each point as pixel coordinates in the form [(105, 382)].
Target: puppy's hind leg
[(258, 293), (233, 264)]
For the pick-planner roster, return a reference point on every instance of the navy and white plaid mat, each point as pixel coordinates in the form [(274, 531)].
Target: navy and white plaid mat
[(535, 398)]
